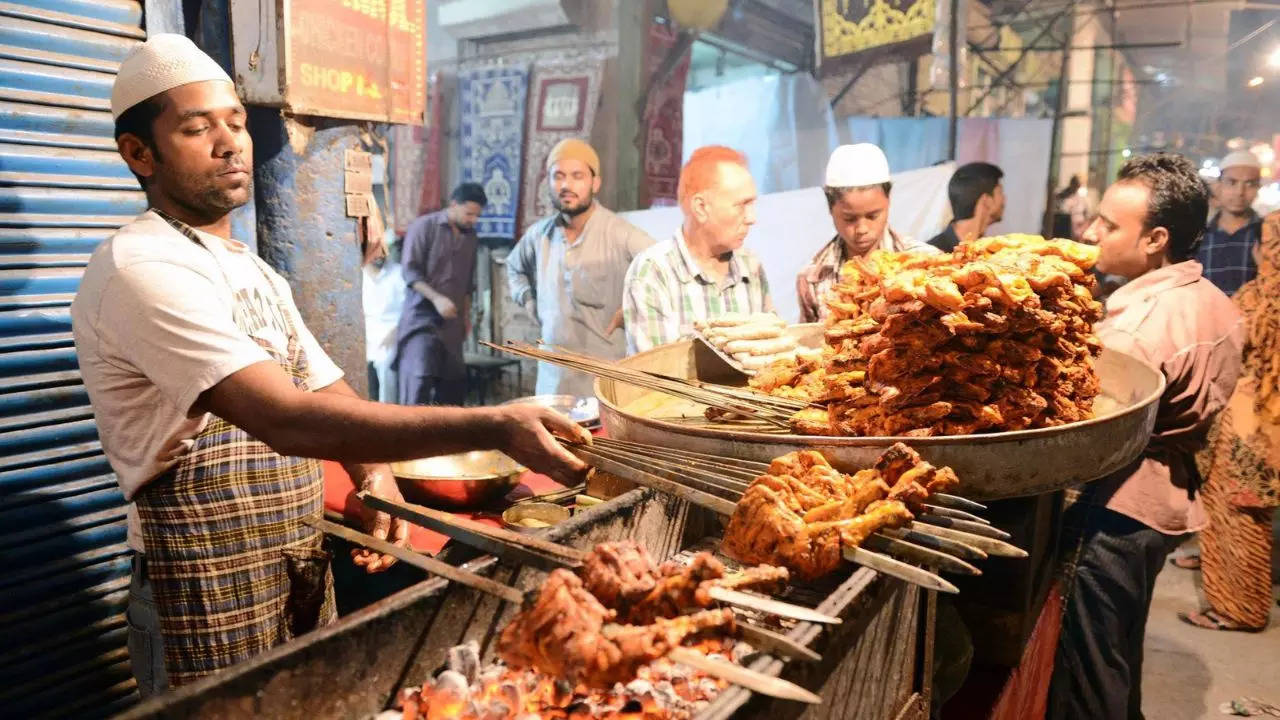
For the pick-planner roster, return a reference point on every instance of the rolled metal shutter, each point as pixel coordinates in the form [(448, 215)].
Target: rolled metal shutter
[(63, 189)]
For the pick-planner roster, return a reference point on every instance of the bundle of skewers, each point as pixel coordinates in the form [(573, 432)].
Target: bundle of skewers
[(738, 402), (802, 514)]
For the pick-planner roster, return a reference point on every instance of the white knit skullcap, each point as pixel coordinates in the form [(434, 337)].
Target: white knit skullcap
[(1240, 158), (165, 61), (857, 166)]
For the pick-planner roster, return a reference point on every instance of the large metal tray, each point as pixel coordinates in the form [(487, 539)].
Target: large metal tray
[(990, 466)]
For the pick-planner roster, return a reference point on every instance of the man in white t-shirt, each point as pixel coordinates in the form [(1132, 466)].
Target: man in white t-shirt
[(213, 401)]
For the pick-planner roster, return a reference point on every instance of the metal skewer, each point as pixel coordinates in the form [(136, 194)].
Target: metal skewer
[(956, 502), (733, 489), (420, 561), (776, 411), (991, 546), (749, 679), (940, 511), (497, 541), (873, 560), (968, 526)]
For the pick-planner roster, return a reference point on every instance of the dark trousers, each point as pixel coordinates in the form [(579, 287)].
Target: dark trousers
[(1098, 669), (146, 645), (429, 372)]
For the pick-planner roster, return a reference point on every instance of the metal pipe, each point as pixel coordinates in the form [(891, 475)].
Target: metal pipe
[(953, 33)]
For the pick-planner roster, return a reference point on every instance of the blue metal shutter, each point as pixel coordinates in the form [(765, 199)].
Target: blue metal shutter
[(63, 189)]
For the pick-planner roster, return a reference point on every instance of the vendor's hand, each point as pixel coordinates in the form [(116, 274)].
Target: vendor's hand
[(379, 481), (527, 436), (614, 324), (445, 307)]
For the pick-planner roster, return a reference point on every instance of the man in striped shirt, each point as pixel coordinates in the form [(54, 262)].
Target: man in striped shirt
[(703, 272)]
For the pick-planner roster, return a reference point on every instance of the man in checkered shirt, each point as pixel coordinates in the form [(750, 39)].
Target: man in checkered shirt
[(1232, 236), (703, 272)]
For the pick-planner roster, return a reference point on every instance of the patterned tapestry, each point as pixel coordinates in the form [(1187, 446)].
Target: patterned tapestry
[(408, 145), (562, 90), (415, 165), (664, 119), (491, 125)]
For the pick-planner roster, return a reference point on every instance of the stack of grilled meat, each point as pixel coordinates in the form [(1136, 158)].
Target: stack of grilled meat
[(622, 611), (996, 336), (803, 512)]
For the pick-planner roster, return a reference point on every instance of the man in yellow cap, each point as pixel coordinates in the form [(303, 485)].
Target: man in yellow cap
[(568, 269)]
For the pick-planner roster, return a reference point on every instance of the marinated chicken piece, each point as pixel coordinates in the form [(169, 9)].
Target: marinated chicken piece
[(812, 421), (624, 578), (803, 511), (619, 574), (764, 528), (941, 343), (568, 634), (880, 515)]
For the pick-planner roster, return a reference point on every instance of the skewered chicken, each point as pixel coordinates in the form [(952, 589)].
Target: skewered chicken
[(803, 511), (623, 577), (567, 633)]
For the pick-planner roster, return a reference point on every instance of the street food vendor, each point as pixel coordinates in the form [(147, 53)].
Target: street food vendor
[(857, 187), (1171, 317), (703, 272), (213, 400), (567, 270)]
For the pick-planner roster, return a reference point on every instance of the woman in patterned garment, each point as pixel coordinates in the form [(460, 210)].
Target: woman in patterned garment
[(1241, 464)]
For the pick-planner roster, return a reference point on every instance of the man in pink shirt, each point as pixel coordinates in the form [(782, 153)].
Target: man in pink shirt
[(1168, 315)]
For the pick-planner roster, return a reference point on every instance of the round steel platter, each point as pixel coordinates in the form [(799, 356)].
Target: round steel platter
[(990, 466)]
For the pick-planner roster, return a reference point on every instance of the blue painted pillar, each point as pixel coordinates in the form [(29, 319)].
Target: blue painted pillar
[(303, 230)]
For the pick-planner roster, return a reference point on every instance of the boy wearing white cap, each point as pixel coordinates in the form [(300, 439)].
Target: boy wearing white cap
[(857, 188), (1227, 251), (213, 400)]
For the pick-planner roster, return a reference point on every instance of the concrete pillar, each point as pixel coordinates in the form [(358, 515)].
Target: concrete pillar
[(303, 230)]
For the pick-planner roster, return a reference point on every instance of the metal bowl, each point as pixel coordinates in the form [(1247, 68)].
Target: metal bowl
[(465, 480), (534, 516), (583, 410)]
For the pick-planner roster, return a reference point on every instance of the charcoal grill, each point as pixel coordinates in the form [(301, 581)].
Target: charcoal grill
[(876, 664)]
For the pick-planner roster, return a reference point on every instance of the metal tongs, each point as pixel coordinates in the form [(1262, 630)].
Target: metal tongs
[(749, 679)]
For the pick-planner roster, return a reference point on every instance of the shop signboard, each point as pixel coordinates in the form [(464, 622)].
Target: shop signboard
[(863, 31), (355, 59)]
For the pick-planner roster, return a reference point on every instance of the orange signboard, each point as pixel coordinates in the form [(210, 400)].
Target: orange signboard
[(359, 59)]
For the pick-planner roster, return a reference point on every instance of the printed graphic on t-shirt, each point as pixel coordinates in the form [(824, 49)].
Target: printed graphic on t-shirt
[(261, 316)]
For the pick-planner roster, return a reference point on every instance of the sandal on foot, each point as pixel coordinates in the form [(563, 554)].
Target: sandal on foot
[(1186, 562), (1211, 620)]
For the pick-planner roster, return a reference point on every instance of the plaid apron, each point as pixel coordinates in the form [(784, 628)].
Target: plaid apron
[(234, 570)]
